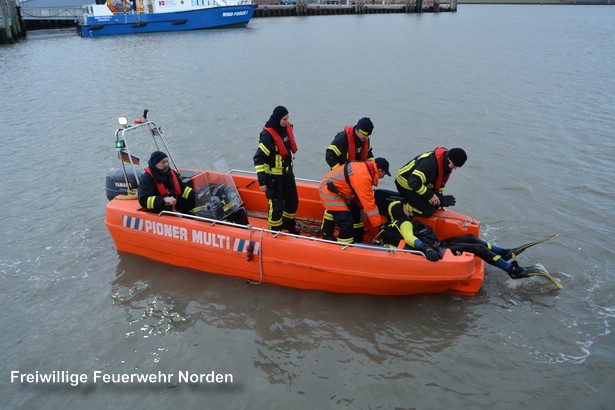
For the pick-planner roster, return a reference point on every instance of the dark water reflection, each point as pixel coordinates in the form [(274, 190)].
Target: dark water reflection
[(288, 325)]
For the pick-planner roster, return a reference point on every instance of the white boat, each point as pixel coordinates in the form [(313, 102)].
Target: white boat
[(147, 16)]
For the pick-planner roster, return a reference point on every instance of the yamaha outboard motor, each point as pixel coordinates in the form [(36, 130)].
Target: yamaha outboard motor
[(116, 182)]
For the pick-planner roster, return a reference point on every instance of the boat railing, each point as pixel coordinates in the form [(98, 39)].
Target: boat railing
[(214, 222), (343, 245), (244, 172), (123, 146), (276, 234)]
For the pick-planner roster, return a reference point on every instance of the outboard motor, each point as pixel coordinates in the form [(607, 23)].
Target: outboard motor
[(116, 182)]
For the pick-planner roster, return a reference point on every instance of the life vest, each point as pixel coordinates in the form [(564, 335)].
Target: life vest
[(162, 189), (442, 178), (279, 142), (352, 148)]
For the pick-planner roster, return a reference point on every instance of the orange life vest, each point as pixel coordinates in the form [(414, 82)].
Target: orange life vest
[(162, 189), (441, 180), (279, 142), (352, 149)]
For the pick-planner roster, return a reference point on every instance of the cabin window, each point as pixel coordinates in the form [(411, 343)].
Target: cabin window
[(203, 3)]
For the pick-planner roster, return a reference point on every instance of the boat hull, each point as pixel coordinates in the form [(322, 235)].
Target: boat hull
[(262, 256), (214, 17)]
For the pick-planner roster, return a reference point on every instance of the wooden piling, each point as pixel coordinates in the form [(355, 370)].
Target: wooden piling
[(12, 27)]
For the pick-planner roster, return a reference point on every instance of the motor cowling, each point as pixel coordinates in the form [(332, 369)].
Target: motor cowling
[(116, 182)]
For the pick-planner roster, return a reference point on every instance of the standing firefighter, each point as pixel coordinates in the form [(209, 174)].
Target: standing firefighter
[(351, 144), (273, 161)]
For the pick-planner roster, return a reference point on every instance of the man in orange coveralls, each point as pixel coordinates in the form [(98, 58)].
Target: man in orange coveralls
[(347, 189)]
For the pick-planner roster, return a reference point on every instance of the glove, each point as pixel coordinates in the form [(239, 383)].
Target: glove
[(447, 200), (430, 254)]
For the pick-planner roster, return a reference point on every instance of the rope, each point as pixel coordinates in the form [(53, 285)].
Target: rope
[(311, 227), (260, 257), (132, 194)]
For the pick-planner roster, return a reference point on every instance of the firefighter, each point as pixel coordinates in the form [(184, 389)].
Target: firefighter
[(419, 236), (351, 144), (273, 161), (421, 181), (346, 190), (161, 188)]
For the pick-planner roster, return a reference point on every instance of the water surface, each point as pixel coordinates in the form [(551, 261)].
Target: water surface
[(528, 91)]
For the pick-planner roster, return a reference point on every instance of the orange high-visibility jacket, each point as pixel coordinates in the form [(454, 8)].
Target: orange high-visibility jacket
[(362, 176)]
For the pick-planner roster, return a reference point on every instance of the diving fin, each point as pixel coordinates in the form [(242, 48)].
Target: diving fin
[(538, 270), (513, 253)]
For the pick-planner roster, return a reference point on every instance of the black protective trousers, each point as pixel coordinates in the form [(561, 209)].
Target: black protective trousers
[(283, 201), (346, 220)]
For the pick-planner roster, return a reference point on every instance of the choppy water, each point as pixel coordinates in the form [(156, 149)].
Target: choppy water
[(528, 91)]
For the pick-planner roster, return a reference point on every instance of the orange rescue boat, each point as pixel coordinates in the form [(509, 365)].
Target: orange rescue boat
[(254, 253)]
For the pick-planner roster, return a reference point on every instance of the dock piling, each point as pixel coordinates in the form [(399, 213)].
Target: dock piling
[(12, 27)]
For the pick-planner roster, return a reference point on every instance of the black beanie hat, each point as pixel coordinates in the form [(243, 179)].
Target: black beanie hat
[(457, 156), (365, 126), (156, 157)]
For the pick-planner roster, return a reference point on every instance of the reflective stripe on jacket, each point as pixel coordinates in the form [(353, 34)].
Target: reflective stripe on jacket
[(272, 155), (343, 148), (151, 201), (279, 142), (425, 174), (362, 176), (162, 189)]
